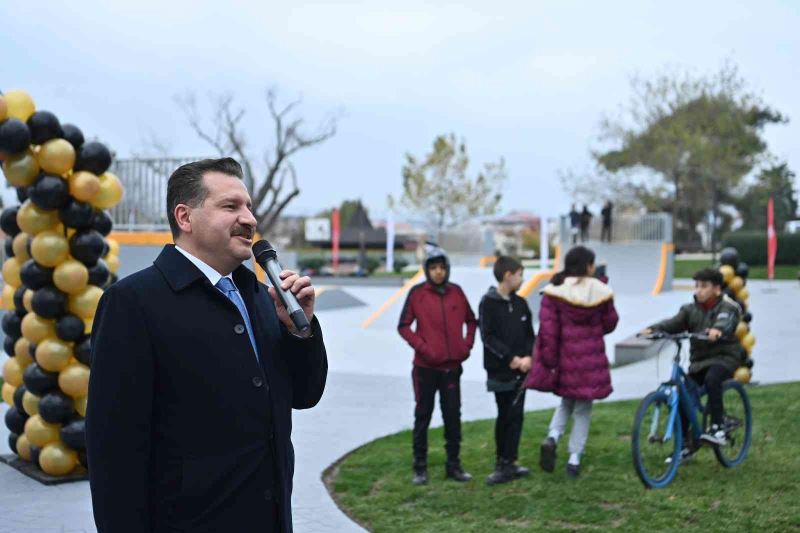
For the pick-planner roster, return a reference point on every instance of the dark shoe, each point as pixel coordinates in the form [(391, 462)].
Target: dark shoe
[(420, 477), (573, 471), (456, 473), (504, 472), (547, 454)]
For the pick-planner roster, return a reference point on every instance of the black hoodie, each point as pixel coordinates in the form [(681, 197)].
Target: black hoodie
[(507, 331)]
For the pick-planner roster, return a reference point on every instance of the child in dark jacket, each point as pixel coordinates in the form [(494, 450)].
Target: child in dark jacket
[(569, 357), (507, 333)]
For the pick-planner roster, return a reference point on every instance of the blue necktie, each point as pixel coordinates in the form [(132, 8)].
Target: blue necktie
[(229, 289)]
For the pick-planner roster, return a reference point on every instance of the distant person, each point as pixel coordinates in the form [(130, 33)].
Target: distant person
[(574, 223), (585, 222), (605, 233), (441, 311), (507, 333), (713, 361), (570, 360)]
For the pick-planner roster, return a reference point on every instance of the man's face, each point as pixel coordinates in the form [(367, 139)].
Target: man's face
[(222, 227), (705, 290), (437, 272), (513, 280)]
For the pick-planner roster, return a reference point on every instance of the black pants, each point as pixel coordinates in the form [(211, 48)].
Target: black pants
[(605, 233), (508, 426), (712, 378), (427, 382)]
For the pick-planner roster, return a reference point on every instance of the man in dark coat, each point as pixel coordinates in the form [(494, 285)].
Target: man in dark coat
[(195, 371)]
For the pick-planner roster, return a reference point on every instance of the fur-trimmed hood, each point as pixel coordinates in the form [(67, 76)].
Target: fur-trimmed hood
[(580, 291)]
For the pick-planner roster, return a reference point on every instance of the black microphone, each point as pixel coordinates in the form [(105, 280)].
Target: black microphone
[(267, 257)]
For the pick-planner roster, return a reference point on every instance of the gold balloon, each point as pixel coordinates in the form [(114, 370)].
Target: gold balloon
[(741, 330), (88, 323), (27, 299), (743, 294), (3, 108), (57, 459), (12, 372), (21, 170), (23, 447), (41, 433), (8, 393), (110, 192), (11, 270), (727, 272), (53, 355), (84, 186), (748, 341), (71, 276), (113, 246), (84, 303), (8, 297), (36, 328), (49, 249), (33, 220), (80, 405), (56, 156), (742, 375), (736, 284), (20, 247), (30, 403), (22, 352), (74, 380), (112, 261), (20, 105)]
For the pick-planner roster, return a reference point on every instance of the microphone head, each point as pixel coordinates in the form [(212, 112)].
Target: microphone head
[(262, 247)]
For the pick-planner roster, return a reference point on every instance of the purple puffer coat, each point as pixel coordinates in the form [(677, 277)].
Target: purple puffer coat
[(569, 355)]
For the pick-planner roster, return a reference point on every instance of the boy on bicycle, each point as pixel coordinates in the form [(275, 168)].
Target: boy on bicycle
[(712, 361)]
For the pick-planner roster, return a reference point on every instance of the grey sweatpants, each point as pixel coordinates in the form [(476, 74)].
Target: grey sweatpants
[(582, 411)]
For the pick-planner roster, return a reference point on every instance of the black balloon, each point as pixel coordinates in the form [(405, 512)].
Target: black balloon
[(76, 214), (747, 316), (99, 274), (22, 194), (74, 434), (8, 345), (18, 393), (14, 136), (102, 223), (32, 350), (12, 442), (82, 459), (73, 135), (34, 276), (729, 256), (86, 246), (69, 328), (49, 302), (94, 157), (743, 270), (56, 407), (35, 452), (8, 221), (8, 245), (44, 126), (18, 305), (83, 350), (49, 192), (15, 420), (39, 381), (12, 325)]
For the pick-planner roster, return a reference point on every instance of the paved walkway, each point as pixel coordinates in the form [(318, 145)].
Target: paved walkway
[(369, 395)]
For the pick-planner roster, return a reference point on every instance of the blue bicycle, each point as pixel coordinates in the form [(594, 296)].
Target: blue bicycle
[(658, 442)]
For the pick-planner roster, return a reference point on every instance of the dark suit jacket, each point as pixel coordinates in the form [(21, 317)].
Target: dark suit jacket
[(185, 430)]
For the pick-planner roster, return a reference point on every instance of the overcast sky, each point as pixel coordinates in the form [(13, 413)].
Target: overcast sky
[(528, 81)]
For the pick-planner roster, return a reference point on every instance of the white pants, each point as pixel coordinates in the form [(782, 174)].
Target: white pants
[(582, 411)]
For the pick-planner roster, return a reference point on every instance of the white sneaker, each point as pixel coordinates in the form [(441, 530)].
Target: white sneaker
[(714, 435), (686, 455)]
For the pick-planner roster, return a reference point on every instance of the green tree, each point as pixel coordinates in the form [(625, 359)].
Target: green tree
[(347, 209), (776, 181), (439, 188)]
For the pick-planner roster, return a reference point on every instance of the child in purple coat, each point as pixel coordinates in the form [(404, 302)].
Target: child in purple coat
[(570, 360)]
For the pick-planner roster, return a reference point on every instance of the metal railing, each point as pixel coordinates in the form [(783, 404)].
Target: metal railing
[(651, 227)]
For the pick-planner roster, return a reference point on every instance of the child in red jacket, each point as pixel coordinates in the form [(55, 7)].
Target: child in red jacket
[(441, 311), (570, 360)]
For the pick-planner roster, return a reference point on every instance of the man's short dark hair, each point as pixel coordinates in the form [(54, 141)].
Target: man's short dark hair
[(186, 186), (505, 264), (711, 275)]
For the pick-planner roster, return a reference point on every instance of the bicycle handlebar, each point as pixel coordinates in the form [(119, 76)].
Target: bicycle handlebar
[(658, 335)]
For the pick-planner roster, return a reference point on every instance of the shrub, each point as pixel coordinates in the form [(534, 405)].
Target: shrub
[(752, 247)]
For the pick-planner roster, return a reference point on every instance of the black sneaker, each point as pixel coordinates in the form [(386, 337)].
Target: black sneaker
[(456, 473), (504, 472), (521, 471), (420, 477), (686, 455), (573, 471), (547, 454), (714, 435)]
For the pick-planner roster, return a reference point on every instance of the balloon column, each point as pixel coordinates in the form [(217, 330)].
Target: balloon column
[(734, 274), (59, 262)]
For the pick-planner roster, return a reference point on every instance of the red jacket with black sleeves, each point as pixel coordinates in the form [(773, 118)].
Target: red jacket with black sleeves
[(439, 340)]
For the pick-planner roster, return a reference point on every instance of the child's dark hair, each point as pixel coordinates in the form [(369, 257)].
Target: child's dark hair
[(505, 264), (711, 275), (576, 263)]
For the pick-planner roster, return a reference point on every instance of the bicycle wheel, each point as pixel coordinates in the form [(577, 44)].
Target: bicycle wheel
[(737, 423), (655, 458)]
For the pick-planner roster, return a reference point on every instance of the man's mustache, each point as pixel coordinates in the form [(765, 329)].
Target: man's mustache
[(244, 231)]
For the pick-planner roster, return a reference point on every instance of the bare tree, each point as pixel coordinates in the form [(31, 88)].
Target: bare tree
[(274, 188)]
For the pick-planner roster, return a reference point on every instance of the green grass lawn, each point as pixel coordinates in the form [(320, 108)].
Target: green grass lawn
[(685, 268), (373, 484)]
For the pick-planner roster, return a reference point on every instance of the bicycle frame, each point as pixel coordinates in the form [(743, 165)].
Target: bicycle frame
[(684, 398)]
